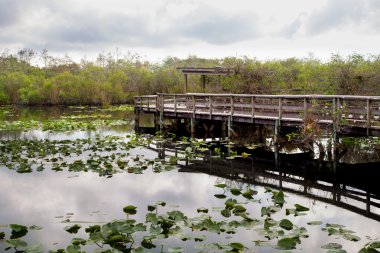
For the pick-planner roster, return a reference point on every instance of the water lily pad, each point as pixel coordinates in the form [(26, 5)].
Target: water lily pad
[(287, 243), (73, 249), (18, 231), (78, 241), (278, 198), (351, 237), (300, 208), (148, 244), (332, 225), (235, 191), (286, 224), (35, 227), (175, 250), (202, 210), (315, 223), (332, 246), (237, 246), (375, 245), (16, 243), (73, 229), (34, 249), (130, 209), (161, 203), (138, 250)]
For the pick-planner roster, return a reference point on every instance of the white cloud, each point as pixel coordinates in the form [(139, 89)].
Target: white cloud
[(270, 29)]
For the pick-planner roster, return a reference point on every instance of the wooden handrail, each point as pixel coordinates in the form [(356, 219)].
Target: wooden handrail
[(358, 111)]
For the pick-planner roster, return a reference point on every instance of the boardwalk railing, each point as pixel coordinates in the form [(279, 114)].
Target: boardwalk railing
[(353, 111)]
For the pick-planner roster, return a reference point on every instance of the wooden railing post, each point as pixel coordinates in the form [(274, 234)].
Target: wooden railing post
[(162, 107), (253, 106), (210, 105), (369, 104), (193, 98), (232, 105), (279, 110), (175, 103), (305, 107), (338, 112)]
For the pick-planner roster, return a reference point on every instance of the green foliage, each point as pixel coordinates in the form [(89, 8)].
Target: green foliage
[(113, 81)]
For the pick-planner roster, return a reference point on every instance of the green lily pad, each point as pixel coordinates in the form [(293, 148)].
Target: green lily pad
[(175, 250), (73, 229), (286, 224), (287, 243), (130, 209), (235, 191), (315, 223), (300, 208), (35, 227), (148, 244), (237, 246), (278, 198), (34, 249), (78, 241), (220, 196), (161, 203), (375, 245), (16, 243), (202, 210), (332, 246), (351, 237), (18, 231)]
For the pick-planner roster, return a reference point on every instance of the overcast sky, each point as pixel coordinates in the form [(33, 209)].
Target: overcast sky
[(214, 28)]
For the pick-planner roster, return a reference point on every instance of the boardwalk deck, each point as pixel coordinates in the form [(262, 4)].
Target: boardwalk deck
[(361, 113)]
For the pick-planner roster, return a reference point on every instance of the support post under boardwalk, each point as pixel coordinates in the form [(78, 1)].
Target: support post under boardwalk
[(192, 127), (156, 122), (137, 120), (276, 131), (229, 127), (224, 129)]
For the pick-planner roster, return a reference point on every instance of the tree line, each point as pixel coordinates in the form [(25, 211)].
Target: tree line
[(37, 78)]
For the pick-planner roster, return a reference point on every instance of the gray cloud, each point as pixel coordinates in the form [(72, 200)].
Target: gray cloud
[(72, 27), (9, 12), (341, 13), (289, 30), (216, 28)]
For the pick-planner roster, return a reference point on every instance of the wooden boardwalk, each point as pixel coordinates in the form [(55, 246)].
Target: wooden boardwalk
[(360, 114)]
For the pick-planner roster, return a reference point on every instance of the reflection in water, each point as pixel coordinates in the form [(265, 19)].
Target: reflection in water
[(334, 192), (351, 186)]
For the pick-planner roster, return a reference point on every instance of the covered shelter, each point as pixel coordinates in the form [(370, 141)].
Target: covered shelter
[(203, 72)]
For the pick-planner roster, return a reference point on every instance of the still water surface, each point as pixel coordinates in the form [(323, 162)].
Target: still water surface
[(49, 197)]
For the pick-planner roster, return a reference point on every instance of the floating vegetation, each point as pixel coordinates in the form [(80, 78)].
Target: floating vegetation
[(61, 125), (160, 227), (103, 155), (87, 116), (272, 219), (124, 108)]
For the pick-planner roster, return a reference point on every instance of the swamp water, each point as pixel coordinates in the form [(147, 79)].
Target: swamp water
[(79, 180)]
